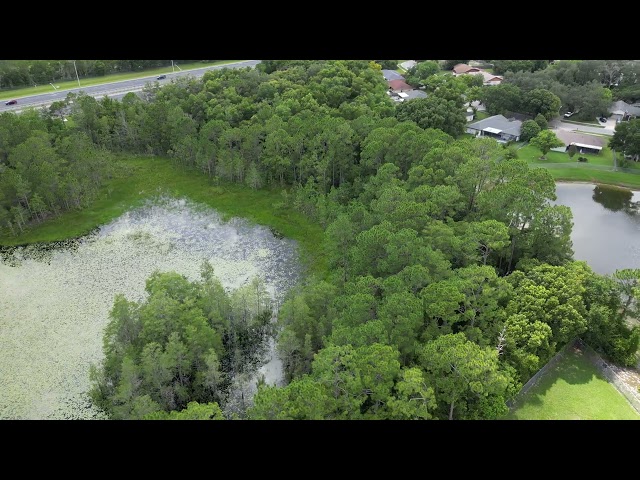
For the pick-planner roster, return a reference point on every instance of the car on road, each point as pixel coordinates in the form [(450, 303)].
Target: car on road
[(568, 114), (11, 102), (161, 77)]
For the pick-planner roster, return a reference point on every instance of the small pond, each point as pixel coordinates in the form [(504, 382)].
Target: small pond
[(55, 299), (606, 230)]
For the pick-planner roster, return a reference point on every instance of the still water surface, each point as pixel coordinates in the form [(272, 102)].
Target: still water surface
[(606, 225)]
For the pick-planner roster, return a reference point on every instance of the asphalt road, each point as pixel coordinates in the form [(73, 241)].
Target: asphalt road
[(115, 90), (609, 127)]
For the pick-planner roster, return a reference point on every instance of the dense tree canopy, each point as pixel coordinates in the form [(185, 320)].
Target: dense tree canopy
[(183, 344), (450, 277), (626, 138)]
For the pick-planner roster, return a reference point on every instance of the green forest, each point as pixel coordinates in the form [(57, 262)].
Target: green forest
[(449, 278)]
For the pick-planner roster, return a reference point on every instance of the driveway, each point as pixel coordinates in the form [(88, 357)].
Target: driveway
[(608, 129)]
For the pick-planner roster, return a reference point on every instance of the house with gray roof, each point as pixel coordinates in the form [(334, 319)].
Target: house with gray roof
[(415, 93), (622, 111), (391, 75), (498, 127), (402, 96)]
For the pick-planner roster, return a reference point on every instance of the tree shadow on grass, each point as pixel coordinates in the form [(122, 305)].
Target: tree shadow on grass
[(575, 369)]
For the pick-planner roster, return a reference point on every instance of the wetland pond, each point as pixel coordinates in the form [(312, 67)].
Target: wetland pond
[(606, 225), (55, 298)]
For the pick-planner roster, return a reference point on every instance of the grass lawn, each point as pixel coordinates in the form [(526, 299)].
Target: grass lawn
[(532, 155), (573, 390), (596, 170), (87, 82), (620, 179), (481, 115), (591, 123), (149, 176)]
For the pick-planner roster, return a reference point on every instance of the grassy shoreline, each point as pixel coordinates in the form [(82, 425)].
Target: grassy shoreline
[(598, 169), (141, 178)]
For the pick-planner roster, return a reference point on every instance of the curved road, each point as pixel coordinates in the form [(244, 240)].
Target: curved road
[(116, 90)]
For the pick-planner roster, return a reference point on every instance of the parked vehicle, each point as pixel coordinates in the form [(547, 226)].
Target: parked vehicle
[(11, 102)]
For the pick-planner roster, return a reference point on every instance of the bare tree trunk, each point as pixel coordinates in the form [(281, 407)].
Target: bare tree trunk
[(451, 411), (501, 340)]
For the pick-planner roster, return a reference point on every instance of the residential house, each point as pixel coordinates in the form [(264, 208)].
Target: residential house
[(584, 143), (463, 68), (408, 64), (523, 117), (391, 75), (622, 111), (490, 78), (415, 93), (399, 86), (487, 78), (498, 127), (407, 95)]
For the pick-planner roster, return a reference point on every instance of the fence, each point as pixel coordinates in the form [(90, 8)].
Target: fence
[(534, 380), (612, 372)]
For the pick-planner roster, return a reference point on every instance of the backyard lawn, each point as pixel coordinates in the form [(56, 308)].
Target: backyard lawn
[(573, 390), (532, 155), (597, 169)]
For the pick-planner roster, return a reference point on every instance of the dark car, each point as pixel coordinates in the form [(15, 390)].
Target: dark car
[(603, 119), (161, 77), (11, 102)]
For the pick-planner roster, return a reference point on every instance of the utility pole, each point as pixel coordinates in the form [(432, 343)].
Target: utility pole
[(173, 69), (74, 67)]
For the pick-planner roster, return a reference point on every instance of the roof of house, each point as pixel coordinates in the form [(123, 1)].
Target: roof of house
[(464, 68), (621, 107), (408, 64), (488, 77), (399, 85), (523, 117), (580, 139), (415, 93), (498, 122), (391, 75)]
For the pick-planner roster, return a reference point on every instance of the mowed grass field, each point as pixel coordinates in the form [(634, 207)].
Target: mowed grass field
[(573, 390)]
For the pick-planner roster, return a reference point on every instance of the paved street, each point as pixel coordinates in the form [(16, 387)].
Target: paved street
[(608, 129)]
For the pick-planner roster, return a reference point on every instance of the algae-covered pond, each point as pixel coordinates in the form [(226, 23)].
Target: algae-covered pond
[(55, 298)]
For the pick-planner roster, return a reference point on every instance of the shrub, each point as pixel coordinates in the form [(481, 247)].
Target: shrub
[(529, 130), (542, 121)]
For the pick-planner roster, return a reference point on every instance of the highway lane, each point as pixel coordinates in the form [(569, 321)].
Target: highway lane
[(115, 90)]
